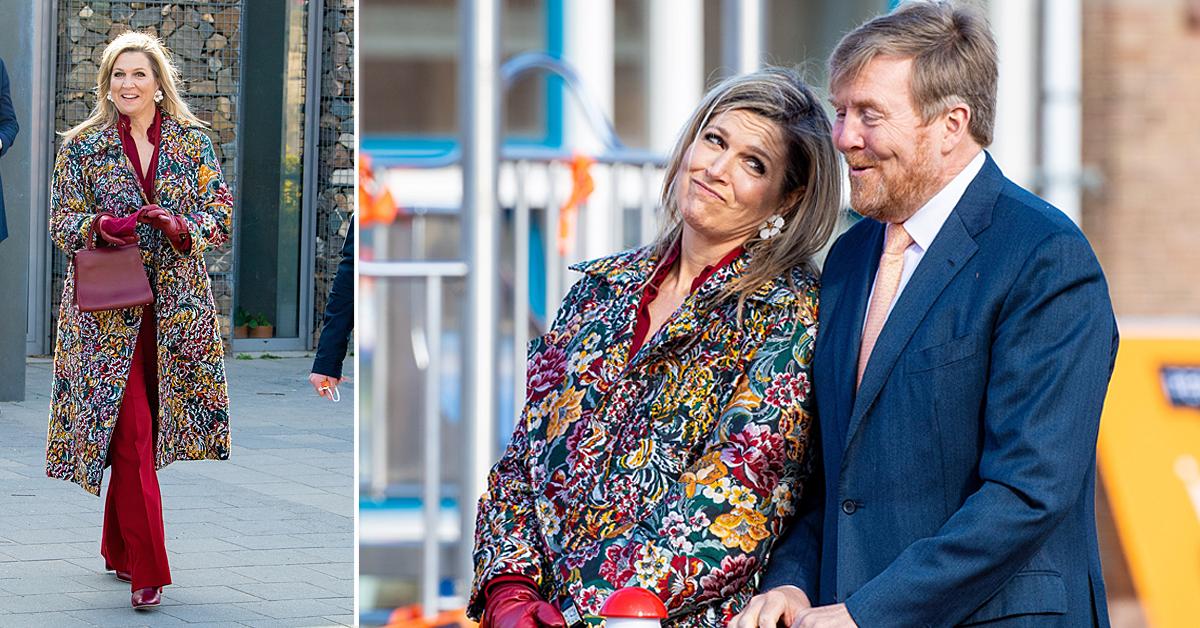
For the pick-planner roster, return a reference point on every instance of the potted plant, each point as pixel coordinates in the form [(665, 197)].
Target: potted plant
[(240, 327), (260, 326)]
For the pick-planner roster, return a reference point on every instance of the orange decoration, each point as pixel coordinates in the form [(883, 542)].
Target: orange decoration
[(410, 617), (375, 203), (582, 187)]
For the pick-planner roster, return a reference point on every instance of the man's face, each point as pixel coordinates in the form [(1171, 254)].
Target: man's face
[(894, 159)]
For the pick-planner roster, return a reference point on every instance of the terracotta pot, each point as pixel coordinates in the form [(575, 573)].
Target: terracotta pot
[(241, 331), (263, 331)]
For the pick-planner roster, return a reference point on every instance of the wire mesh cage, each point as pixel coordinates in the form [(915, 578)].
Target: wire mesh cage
[(335, 169), (203, 38)]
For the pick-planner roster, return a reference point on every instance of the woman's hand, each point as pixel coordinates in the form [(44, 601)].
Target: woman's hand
[(116, 231), (171, 225), (512, 604)]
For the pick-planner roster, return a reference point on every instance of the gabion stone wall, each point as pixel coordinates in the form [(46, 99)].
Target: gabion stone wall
[(336, 173), (204, 39)]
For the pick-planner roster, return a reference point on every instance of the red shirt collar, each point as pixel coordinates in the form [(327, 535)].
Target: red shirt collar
[(669, 261), (154, 133), (129, 147)]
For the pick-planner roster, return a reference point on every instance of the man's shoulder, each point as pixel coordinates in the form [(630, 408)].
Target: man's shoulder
[(1022, 217), (853, 241)]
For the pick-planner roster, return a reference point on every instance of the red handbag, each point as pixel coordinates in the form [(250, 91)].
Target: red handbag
[(110, 278)]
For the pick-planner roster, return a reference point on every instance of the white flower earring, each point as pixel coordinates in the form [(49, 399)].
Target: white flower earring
[(771, 227), (158, 96)]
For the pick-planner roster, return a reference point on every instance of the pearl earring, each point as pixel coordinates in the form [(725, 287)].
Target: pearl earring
[(158, 96), (109, 97), (771, 227)]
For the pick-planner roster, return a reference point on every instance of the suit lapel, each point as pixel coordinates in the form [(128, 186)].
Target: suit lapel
[(949, 252), (843, 307)]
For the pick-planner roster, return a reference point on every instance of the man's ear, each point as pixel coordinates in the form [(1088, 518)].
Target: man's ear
[(956, 121)]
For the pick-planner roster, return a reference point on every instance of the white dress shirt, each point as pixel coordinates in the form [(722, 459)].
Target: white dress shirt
[(924, 225)]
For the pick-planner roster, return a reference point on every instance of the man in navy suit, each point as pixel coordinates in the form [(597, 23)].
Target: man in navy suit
[(965, 346), (8, 133)]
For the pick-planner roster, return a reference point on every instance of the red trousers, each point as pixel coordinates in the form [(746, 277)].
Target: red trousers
[(133, 540)]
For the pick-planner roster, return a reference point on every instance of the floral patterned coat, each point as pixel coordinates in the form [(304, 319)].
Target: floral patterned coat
[(675, 472), (94, 350)]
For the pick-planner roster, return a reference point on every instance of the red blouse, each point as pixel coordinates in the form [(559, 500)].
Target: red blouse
[(641, 325), (147, 180), (154, 134)]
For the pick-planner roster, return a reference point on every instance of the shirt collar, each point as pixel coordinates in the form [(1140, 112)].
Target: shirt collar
[(665, 267), (153, 134), (924, 225)]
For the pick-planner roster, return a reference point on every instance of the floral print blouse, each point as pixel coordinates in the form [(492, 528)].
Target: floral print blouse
[(674, 469)]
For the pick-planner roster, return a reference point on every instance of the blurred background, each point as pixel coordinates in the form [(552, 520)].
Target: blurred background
[(503, 140)]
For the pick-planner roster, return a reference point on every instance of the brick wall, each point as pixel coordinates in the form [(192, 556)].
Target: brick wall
[(1141, 95)]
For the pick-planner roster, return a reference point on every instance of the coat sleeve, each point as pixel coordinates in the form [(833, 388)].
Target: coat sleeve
[(72, 205), (8, 118), (710, 534), (339, 314), (1051, 358), (796, 557), (209, 220), (507, 538)]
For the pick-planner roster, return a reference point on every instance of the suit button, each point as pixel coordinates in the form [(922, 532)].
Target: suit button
[(849, 506)]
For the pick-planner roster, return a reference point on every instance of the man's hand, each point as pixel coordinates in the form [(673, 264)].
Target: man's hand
[(835, 616), (325, 385), (779, 606)]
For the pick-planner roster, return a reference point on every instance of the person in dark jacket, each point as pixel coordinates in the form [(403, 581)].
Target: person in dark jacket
[(8, 134), (337, 325)]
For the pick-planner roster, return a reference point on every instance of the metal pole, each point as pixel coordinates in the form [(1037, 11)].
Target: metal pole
[(41, 155), (742, 36), (431, 497), (479, 110), (308, 214), (1062, 79), (520, 286), (674, 68), (1014, 145), (380, 372)]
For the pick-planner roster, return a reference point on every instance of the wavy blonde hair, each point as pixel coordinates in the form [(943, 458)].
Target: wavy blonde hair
[(813, 174), (104, 112)]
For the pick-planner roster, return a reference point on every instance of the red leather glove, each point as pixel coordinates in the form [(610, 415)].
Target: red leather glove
[(141, 215), (117, 231), (171, 225), (514, 603)]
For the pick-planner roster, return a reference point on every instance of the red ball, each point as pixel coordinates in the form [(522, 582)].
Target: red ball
[(633, 603)]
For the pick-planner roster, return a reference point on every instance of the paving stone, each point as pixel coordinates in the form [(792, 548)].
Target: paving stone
[(285, 591), (241, 553), (292, 608), (213, 595), (28, 585), (56, 619)]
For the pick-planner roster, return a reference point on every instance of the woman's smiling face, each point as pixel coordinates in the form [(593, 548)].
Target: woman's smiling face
[(732, 176), (132, 84)]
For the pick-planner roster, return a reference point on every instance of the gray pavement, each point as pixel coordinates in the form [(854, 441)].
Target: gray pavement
[(263, 539)]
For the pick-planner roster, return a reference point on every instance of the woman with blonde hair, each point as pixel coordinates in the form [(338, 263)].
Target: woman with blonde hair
[(138, 387), (666, 429)]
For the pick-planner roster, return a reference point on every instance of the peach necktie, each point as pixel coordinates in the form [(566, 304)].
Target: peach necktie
[(887, 281)]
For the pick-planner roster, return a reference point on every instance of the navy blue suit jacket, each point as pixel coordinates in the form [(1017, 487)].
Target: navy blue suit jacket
[(339, 314), (956, 486), (8, 134)]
